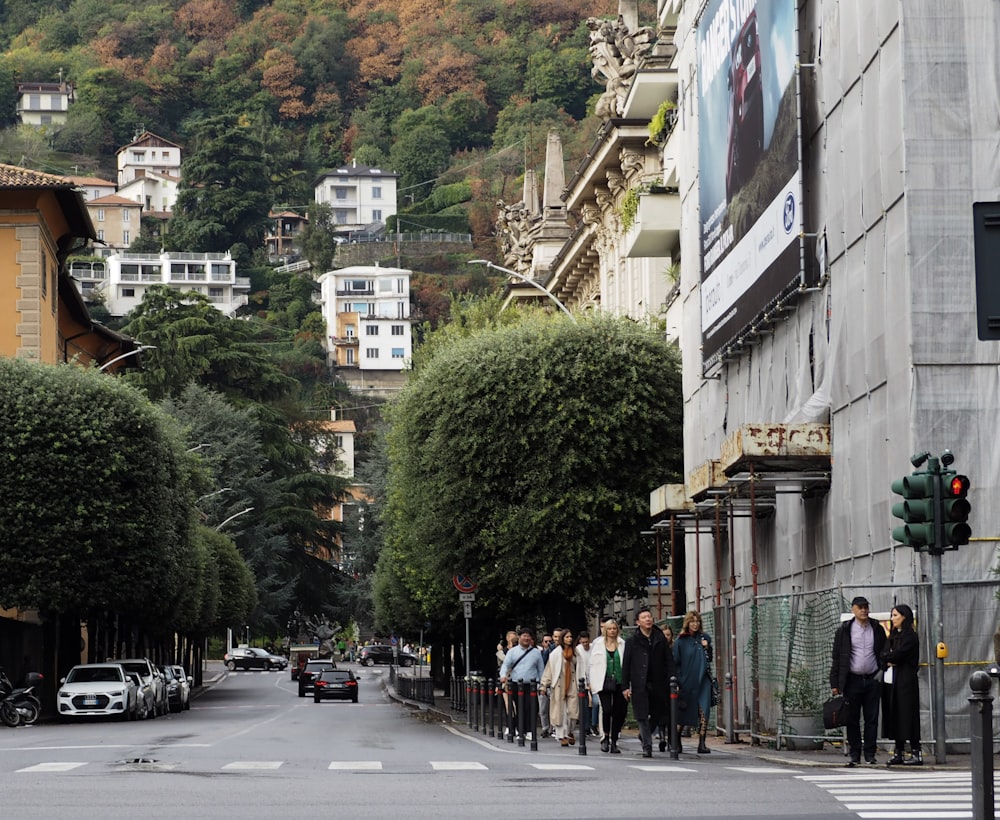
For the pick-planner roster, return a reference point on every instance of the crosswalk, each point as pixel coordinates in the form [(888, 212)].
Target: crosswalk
[(873, 795), (260, 766)]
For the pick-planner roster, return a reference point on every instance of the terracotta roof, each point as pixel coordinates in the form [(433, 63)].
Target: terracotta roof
[(113, 199), (11, 176), (96, 181), (151, 139)]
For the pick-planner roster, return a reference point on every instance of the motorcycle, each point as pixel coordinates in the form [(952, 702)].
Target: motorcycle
[(23, 700)]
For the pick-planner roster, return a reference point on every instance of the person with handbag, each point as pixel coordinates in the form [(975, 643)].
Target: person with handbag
[(693, 657), (606, 682), (522, 664), (900, 689), (647, 666)]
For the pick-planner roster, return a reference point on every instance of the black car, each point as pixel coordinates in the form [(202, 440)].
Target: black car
[(252, 657), (380, 653), (310, 671), (335, 684)]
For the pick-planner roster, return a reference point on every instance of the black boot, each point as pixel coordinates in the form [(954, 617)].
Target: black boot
[(605, 744), (614, 748), (896, 759), (915, 759), (702, 748)]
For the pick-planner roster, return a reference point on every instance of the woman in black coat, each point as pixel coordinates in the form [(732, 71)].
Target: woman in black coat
[(901, 698)]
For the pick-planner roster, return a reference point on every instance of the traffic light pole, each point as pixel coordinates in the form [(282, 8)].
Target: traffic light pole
[(937, 616)]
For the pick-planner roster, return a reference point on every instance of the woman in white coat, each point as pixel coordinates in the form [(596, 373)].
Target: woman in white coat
[(560, 675), (606, 682)]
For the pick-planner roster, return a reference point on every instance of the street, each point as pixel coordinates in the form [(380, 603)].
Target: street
[(251, 748)]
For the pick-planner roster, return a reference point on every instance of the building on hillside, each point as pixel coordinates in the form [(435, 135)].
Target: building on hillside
[(117, 222), (361, 198), (123, 278), (283, 231), (41, 104), (93, 187), (367, 313), (148, 154)]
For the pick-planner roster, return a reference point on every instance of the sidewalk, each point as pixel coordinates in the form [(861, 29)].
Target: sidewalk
[(830, 756)]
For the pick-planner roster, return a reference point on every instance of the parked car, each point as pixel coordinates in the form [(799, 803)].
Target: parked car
[(97, 689), (335, 684), (253, 657), (145, 706), (380, 653), (178, 688), (310, 671), (151, 676)]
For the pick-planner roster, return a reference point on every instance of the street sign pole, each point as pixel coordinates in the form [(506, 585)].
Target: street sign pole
[(468, 664)]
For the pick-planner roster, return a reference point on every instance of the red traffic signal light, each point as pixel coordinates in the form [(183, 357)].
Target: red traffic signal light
[(955, 509), (958, 487)]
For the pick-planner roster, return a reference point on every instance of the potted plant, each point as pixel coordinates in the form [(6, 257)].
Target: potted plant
[(663, 122), (802, 710)]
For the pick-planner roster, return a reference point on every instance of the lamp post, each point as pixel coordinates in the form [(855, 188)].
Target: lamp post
[(135, 352), (528, 281)]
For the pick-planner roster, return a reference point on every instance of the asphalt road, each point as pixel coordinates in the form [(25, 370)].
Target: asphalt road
[(251, 748)]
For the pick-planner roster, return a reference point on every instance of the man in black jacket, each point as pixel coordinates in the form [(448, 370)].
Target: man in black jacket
[(854, 673), (647, 667)]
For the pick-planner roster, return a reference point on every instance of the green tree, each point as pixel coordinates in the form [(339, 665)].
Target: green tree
[(420, 155), (225, 195), (523, 456), (194, 342), (317, 239), (97, 495)]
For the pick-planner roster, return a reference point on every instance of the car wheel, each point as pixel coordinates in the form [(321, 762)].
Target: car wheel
[(267, 666), (231, 666), (369, 661)]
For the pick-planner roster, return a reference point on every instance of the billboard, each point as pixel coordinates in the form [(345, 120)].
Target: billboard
[(748, 163)]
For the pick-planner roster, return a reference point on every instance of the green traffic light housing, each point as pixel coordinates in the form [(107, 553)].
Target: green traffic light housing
[(916, 510), (955, 509)]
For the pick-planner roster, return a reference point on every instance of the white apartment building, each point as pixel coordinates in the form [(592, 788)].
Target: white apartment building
[(123, 278), (41, 104), (361, 198), (148, 154), (367, 313)]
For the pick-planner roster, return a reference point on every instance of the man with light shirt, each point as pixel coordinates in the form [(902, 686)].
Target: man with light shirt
[(855, 674)]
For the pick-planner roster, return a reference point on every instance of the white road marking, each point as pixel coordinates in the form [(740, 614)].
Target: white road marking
[(254, 765), (561, 767), (52, 767), (356, 765), (456, 765)]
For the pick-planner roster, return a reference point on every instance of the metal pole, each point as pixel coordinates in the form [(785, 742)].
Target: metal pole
[(583, 719), (468, 664), (981, 736), (940, 746), (675, 736)]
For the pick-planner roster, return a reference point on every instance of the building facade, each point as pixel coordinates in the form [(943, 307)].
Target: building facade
[(367, 313), (361, 198), (123, 278), (117, 221), (43, 104)]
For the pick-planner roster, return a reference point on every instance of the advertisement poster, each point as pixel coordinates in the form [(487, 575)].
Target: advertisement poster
[(751, 180)]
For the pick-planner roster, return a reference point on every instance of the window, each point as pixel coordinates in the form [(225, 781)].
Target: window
[(350, 355), (35, 102), (100, 235), (45, 119), (357, 284), (339, 442), (371, 352), (138, 156), (397, 353), (397, 330), (216, 294), (341, 217), (349, 331), (128, 293), (360, 307), (400, 286), (400, 310), (126, 215), (371, 330), (376, 192), (376, 215), (384, 286), (125, 238), (100, 214), (340, 193)]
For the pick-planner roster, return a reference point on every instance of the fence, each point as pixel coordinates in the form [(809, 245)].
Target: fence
[(418, 688)]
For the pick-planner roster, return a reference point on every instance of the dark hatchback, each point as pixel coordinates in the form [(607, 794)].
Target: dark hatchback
[(380, 653), (310, 671), (335, 684)]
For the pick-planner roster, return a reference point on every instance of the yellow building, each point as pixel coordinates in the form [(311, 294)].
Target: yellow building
[(43, 219)]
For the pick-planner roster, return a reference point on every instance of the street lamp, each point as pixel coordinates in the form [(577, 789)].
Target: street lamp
[(237, 515), (528, 281), (135, 352)]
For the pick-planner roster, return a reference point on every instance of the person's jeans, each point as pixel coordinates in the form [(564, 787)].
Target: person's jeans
[(863, 693), (543, 709)]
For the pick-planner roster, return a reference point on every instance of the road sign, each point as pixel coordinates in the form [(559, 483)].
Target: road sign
[(464, 584), (467, 596), (468, 609)]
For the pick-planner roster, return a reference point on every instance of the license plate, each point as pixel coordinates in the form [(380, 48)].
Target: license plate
[(90, 701)]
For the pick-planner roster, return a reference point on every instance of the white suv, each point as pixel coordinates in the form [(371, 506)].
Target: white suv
[(151, 677)]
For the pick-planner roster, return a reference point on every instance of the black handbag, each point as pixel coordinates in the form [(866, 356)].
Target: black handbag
[(835, 712)]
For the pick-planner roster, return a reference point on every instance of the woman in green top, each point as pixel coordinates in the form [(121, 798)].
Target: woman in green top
[(606, 682)]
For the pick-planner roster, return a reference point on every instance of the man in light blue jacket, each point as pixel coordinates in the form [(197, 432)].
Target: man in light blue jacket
[(523, 663)]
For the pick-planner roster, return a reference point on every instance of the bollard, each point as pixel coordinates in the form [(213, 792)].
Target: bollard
[(511, 707), (584, 719), (468, 700), (981, 736), (493, 703), (487, 694), (675, 736), (533, 713), (522, 712)]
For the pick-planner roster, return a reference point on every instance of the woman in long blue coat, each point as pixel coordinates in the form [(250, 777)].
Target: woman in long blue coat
[(692, 656)]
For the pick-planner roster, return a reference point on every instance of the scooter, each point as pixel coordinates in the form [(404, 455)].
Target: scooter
[(23, 699)]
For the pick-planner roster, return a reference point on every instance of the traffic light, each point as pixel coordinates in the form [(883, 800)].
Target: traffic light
[(917, 510), (955, 509)]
